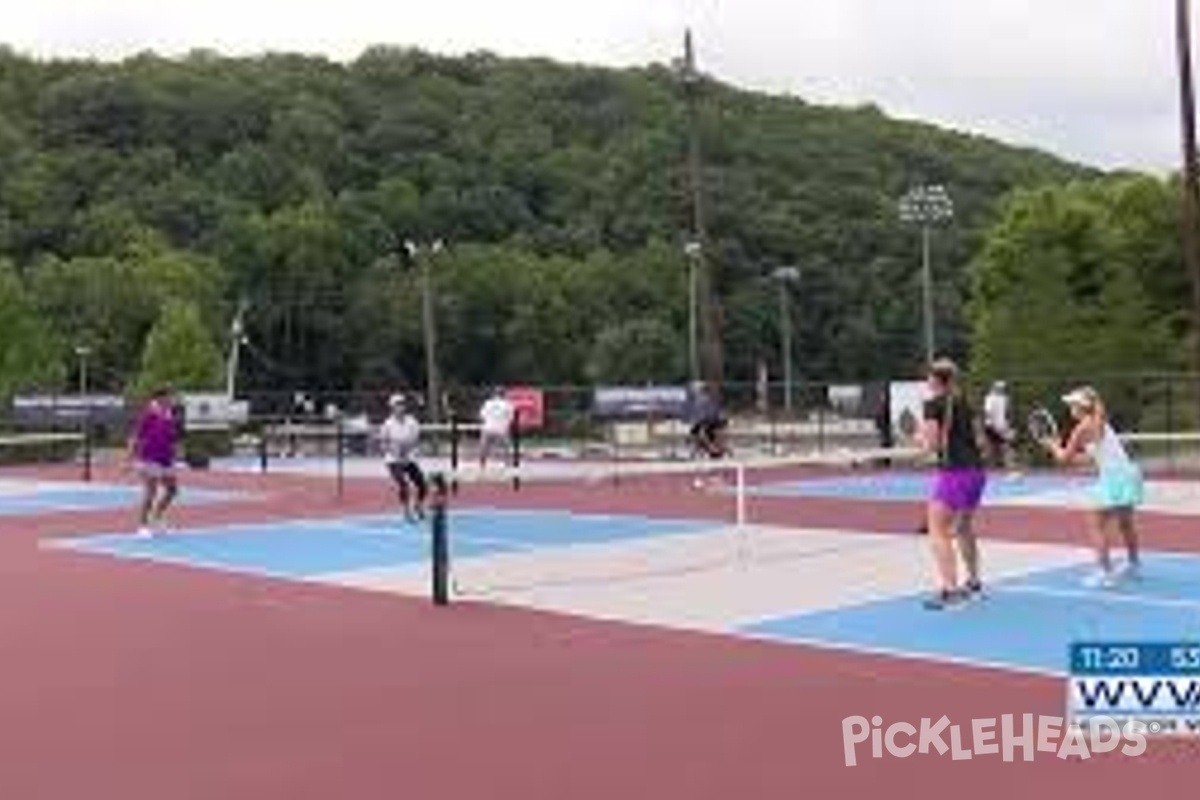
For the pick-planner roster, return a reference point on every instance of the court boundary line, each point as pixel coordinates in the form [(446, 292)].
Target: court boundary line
[(1101, 595), (352, 521), (1002, 587), (200, 566), (896, 653)]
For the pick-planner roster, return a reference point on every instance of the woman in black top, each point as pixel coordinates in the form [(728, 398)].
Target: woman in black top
[(950, 431)]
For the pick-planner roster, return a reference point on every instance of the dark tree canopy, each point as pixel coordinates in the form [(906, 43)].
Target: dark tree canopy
[(560, 192)]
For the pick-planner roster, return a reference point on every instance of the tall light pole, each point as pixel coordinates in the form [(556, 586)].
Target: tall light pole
[(926, 206), (422, 253), (784, 277), (692, 249), (237, 338), (691, 79), (82, 352), (1191, 181)]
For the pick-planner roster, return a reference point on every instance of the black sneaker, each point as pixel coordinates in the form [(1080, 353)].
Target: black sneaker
[(973, 589), (944, 599)]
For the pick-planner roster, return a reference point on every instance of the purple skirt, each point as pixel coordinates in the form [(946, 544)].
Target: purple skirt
[(959, 489)]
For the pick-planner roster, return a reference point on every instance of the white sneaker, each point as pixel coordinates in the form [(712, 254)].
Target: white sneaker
[(1100, 579), (1130, 572), (145, 532)]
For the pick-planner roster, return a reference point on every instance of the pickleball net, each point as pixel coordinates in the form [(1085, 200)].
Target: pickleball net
[(39, 451), (702, 517)]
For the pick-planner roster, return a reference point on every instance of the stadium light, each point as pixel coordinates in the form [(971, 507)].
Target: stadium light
[(784, 276), (926, 206)]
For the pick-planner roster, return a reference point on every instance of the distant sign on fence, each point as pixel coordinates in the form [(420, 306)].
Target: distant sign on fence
[(47, 411), (214, 409), (846, 399), (616, 402), (530, 405)]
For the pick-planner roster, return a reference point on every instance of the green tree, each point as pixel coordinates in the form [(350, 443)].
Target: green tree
[(179, 353), (1060, 296), (560, 190), (639, 351), (30, 353)]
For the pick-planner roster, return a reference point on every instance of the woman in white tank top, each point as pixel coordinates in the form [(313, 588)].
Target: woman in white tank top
[(1118, 489)]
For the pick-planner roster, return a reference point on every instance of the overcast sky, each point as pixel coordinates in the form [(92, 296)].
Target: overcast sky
[(1091, 80)]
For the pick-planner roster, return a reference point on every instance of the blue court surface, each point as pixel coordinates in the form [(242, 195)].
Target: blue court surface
[(1025, 623), (913, 486), (311, 549), (34, 497)]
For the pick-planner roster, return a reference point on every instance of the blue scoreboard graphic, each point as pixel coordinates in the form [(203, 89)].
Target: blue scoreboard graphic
[(1154, 684)]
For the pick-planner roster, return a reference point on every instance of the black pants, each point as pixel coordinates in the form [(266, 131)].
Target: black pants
[(997, 445), (706, 436), (403, 474)]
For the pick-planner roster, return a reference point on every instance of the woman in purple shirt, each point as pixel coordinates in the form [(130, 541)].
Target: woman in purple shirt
[(152, 452)]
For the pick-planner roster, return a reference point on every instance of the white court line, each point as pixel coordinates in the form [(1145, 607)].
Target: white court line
[(906, 655), (1103, 596), (743, 537), (631, 517)]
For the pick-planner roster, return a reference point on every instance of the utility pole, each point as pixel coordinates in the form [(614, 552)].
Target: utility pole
[(706, 300), (692, 250), (785, 276), (433, 393), (1191, 181)]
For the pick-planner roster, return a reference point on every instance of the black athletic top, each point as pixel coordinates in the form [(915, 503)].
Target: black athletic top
[(961, 450)]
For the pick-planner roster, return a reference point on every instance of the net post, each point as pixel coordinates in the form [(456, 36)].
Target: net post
[(821, 428), (262, 448), (740, 470), (515, 457), (742, 532), (439, 544), (340, 455), (772, 431), (614, 440), (454, 434), (1170, 428), (87, 443)]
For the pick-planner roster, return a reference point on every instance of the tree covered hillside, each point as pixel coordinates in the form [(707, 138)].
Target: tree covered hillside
[(560, 193)]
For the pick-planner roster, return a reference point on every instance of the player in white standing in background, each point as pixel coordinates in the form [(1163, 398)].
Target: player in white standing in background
[(997, 428), (399, 436), (495, 420)]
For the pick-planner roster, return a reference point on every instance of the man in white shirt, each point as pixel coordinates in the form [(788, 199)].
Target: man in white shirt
[(996, 426), (495, 419), (398, 438)]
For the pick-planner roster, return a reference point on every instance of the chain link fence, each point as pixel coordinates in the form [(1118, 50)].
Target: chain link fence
[(1158, 413)]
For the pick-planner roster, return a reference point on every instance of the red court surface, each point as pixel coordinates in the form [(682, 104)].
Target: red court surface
[(138, 681)]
